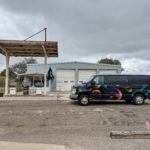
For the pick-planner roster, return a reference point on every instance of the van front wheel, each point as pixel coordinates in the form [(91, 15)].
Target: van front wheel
[(84, 100), (138, 99)]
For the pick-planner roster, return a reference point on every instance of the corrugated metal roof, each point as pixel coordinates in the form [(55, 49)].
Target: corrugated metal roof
[(78, 62), (29, 48)]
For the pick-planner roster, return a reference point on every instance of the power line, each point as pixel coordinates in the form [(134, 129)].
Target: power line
[(45, 29)]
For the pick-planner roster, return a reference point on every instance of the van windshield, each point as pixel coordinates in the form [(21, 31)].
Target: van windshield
[(89, 79)]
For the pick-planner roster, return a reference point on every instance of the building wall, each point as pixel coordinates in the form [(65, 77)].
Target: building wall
[(37, 68), (42, 68)]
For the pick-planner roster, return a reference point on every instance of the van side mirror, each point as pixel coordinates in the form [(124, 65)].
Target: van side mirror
[(92, 83)]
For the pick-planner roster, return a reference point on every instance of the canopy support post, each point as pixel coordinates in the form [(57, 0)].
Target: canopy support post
[(45, 60), (6, 71), (45, 79), (7, 75), (45, 54)]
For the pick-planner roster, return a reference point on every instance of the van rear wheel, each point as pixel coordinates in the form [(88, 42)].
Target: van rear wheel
[(84, 100), (138, 99)]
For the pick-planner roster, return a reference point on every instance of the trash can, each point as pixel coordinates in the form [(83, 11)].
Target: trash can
[(1, 94), (38, 91), (12, 88)]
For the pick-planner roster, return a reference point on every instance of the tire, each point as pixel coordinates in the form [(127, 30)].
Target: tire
[(138, 99), (84, 100)]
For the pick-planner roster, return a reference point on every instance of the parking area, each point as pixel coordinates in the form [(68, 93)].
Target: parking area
[(75, 127)]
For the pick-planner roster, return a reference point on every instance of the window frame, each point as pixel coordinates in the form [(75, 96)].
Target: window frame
[(98, 76)]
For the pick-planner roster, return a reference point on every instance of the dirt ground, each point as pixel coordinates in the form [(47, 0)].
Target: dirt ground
[(76, 127)]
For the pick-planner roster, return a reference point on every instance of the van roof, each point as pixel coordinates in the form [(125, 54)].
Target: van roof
[(122, 75)]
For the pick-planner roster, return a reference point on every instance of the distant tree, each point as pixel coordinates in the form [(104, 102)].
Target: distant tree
[(2, 82), (11, 73), (20, 67), (110, 61)]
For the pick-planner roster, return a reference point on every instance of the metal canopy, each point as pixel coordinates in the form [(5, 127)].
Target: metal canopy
[(29, 48), (16, 48)]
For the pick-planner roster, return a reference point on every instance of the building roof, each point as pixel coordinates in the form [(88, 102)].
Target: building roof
[(78, 62), (90, 63), (29, 48)]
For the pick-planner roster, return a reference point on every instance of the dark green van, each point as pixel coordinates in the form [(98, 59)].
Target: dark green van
[(131, 88)]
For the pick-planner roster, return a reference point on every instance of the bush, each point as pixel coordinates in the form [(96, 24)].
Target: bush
[(2, 84), (19, 87), (2, 81)]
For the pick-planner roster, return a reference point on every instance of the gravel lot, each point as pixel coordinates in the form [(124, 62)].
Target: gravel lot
[(76, 127)]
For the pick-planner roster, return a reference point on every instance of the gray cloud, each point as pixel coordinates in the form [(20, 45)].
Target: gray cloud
[(86, 29)]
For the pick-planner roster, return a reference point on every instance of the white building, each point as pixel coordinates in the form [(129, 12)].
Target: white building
[(67, 74)]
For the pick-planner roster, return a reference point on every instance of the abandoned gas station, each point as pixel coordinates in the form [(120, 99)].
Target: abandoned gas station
[(43, 78), (64, 74), (14, 48)]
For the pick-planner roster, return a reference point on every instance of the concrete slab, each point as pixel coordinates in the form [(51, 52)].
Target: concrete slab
[(27, 98), (130, 134), (29, 146), (53, 96)]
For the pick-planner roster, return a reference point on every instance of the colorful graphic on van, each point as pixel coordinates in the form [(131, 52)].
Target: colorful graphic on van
[(135, 88), (96, 91), (117, 95), (116, 92)]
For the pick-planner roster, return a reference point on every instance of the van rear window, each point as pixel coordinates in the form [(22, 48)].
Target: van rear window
[(138, 79)]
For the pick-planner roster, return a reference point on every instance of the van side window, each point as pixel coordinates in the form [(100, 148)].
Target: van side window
[(99, 80), (115, 79), (138, 79)]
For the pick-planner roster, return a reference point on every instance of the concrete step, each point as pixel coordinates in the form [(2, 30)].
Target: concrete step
[(51, 96), (30, 146)]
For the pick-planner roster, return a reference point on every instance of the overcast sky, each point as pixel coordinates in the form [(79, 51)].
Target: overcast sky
[(86, 30)]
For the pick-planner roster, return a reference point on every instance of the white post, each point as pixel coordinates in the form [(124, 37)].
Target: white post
[(33, 81), (45, 60), (7, 75), (45, 84), (45, 54), (49, 85)]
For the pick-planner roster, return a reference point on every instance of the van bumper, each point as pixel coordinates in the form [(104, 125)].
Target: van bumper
[(148, 97), (74, 96)]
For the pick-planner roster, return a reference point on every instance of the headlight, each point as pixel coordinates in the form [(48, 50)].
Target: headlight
[(73, 91)]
